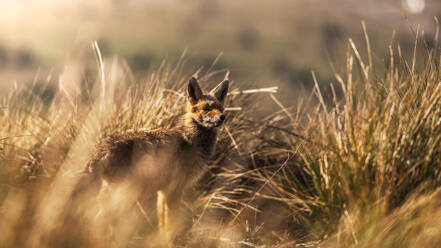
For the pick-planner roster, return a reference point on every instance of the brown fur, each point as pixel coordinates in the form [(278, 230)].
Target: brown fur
[(164, 162)]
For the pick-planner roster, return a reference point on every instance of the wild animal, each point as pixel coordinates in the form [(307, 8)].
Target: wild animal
[(164, 162)]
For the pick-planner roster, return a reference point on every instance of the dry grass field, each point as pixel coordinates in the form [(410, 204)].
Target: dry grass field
[(354, 161), (358, 167)]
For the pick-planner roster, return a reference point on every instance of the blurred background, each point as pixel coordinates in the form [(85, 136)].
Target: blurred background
[(276, 42)]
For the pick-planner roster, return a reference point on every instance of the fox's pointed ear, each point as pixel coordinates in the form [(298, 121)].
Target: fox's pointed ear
[(220, 91), (194, 90)]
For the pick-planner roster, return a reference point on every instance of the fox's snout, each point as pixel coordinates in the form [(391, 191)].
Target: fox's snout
[(215, 120), (221, 120)]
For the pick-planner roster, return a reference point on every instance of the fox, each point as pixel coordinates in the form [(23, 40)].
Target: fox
[(164, 163)]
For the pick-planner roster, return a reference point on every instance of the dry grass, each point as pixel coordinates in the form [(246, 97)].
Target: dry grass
[(358, 166)]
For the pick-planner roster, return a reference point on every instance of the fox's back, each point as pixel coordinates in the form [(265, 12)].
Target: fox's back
[(159, 158)]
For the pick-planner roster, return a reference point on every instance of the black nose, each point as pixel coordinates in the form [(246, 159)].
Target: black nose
[(222, 117)]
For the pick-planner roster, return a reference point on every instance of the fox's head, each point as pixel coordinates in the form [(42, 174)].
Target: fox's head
[(206, 109)]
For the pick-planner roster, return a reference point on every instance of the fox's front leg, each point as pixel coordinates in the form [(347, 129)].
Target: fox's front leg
[(169, 218), (163, 217)]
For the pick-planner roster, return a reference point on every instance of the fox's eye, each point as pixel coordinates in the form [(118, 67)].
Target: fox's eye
[(207, 108)]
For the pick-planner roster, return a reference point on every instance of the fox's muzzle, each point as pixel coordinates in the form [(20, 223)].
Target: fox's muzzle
[(213, 121)]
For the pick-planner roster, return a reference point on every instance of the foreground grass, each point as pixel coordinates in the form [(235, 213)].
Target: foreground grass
[(358, 166)]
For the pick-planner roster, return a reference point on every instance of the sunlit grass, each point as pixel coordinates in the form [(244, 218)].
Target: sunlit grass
[(357, 164)]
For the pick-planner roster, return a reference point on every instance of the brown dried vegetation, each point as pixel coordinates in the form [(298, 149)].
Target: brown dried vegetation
[(362, 170)]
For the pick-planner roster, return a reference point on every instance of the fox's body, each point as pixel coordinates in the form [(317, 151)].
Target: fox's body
[(161, 159), (164, 162)]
